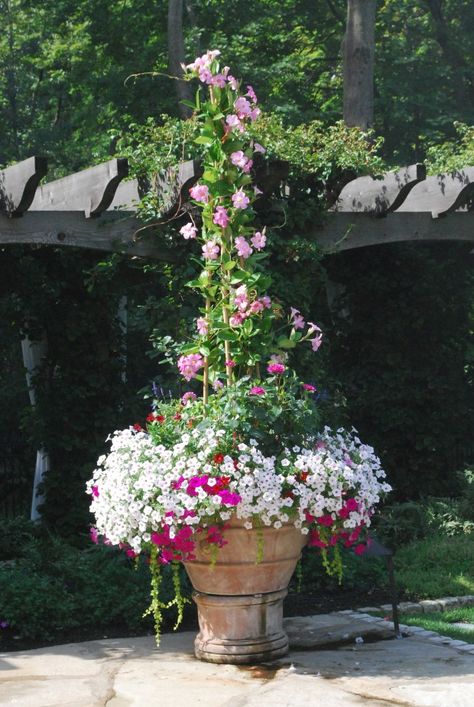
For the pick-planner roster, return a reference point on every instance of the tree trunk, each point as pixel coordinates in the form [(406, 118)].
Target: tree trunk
[(176, 55), (358, 64)]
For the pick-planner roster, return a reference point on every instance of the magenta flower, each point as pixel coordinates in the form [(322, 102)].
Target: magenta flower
[(276, 368), (210, 250), (258, 240), (257, 390), (230, 363), (243, 248), (229, 498), (95, 491), (251, 94), (325, 520), (240, 200), (259, 148), (94, 535), (188, 397), (200, 192), (360, 549), (221, 217), (188, 231), (202, 326), (310, 388), (189, 365)]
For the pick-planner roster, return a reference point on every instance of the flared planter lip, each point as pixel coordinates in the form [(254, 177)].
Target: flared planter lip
[(237, 569)]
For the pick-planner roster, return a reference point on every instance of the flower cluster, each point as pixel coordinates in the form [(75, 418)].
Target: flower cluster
[(145, 494)]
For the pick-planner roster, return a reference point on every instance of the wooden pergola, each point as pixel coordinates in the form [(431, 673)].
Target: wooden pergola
[(96, 208)]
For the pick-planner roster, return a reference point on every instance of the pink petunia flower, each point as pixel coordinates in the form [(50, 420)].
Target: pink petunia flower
[(233, 121), (188, 231), (259, 148), (210, 250), (239, 158), (240, 200)]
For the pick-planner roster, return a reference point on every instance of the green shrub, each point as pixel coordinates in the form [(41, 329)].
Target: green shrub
[(54, 588), (436, 566)]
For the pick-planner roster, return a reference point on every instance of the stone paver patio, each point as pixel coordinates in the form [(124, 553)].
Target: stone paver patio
[(132, 672)]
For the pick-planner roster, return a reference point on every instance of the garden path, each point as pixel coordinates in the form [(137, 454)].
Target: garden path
[(132, 672)]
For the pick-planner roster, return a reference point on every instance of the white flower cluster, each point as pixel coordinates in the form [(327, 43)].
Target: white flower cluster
[(139, 488)]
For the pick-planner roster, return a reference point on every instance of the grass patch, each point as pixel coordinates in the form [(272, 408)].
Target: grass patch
[(437, 566), (442, 622)]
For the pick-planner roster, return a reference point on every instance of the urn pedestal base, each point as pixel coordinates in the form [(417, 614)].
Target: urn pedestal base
[(240, 629)]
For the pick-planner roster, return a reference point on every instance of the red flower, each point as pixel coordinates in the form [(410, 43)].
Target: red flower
[(177, 416), (137, 427), (303, 475), (218, 458), (155, 418)]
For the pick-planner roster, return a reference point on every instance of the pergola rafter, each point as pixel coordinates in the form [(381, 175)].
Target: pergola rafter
[(96, 208)]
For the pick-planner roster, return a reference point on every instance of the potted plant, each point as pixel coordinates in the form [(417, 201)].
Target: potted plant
[(233, 480)]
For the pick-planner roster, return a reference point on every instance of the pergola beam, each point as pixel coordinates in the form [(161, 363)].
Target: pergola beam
[(116, 231), (18, 185), (347, 231), (90, 191)]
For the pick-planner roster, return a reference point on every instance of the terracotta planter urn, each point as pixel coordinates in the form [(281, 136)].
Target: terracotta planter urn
[(240, 599)]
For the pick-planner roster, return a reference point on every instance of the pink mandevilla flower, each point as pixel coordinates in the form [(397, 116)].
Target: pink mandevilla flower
[(243, 248), (242, 108), (210, 250), (256, 307), (236, 319), (251, 94), (221, 217), (234, 84), (258, 240), (189, 365), (275, 368), (202, 326), (316, 342), (298, 321), (189, 230), (239, 158), (233, 121), (200, 192), (240, 200)]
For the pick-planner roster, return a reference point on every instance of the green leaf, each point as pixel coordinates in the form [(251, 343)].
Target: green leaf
[(229, 265), (284, 343), (203, 140)]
